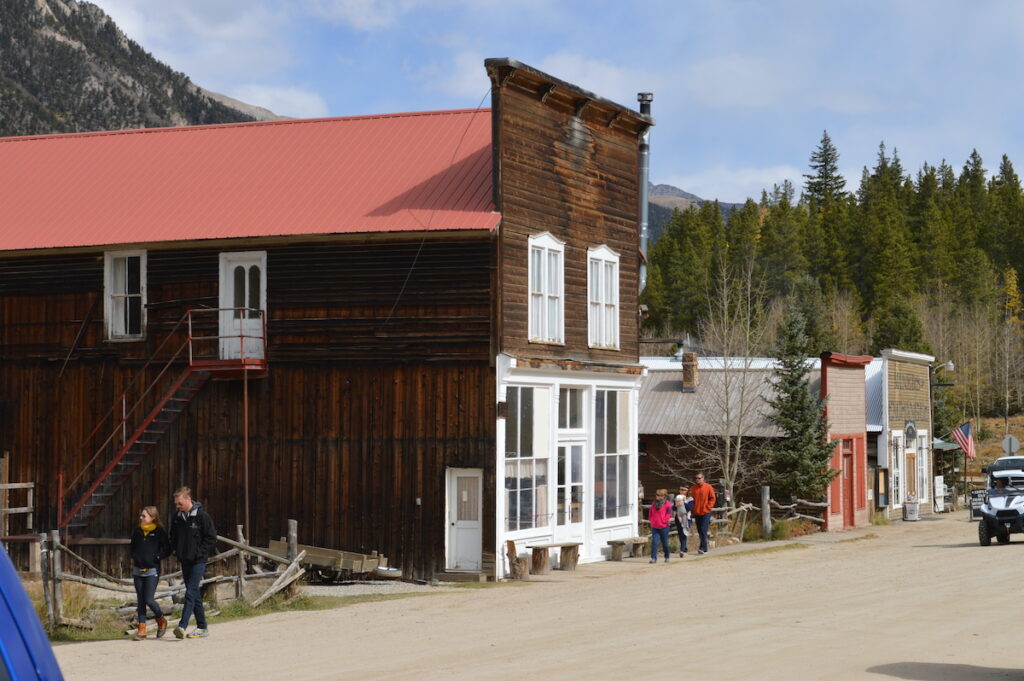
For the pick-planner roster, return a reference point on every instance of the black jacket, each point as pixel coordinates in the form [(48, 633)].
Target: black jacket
[(193, 536), (149, 549)]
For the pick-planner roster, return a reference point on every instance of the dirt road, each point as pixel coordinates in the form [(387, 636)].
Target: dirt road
[(916, 601)]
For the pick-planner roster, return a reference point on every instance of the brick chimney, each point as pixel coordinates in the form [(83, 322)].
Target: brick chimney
[(690, 376)]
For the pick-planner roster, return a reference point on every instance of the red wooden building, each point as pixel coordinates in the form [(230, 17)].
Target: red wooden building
[(414, 333), (843, 385)]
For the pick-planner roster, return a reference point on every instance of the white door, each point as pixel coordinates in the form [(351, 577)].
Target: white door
[(465, 526), (243, 303), (569, 491)]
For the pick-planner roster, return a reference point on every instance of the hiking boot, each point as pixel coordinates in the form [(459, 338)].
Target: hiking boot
[(179, 632), (140, 635), (199, 633), (161, 626)]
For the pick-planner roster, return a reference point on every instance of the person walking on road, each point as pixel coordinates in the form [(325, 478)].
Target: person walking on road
[(193, 537), (683, 517), (149, 546), (703, 501), (659, 516)]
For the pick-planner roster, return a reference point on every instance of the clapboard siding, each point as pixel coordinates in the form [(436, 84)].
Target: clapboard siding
[(578, 179)]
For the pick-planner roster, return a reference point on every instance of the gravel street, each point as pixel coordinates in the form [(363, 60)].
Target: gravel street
[(907, 601)]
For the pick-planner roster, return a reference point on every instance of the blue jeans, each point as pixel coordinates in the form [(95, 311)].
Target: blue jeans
[(659, 534), (193, 574), (145, 589), (703, 523)]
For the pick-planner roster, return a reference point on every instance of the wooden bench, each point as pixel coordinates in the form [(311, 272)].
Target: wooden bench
[(540, 560), (619, 547)]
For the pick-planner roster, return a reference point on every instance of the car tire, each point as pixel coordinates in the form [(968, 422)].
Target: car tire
[(984, 538), (1003, 537)]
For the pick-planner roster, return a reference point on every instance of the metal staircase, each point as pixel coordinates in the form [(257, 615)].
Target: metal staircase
[(143, 413)]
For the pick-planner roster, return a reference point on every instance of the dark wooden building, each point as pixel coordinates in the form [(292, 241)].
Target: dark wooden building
[(413, 333)]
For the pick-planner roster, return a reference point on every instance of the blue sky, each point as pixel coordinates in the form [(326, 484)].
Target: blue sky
[(742, 89)]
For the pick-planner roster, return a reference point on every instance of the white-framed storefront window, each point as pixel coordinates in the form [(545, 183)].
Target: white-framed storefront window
[(612, 472), (923, 475), (527, 459), (896, 471)]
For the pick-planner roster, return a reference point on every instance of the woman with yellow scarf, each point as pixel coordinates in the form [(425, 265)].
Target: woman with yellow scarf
[(150, 545)]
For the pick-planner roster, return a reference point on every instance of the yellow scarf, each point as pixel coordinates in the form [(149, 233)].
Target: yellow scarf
[(147, 528)]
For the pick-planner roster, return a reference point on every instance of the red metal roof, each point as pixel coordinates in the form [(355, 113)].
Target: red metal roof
[(400, 172)]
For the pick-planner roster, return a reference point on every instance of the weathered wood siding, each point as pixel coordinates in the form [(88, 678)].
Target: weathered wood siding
[(576, 177), (380, 378)]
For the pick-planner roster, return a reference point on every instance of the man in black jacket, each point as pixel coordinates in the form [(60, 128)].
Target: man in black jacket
[(193, 537)]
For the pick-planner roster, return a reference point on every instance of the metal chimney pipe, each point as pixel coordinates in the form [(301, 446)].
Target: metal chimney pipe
[(645, 99)]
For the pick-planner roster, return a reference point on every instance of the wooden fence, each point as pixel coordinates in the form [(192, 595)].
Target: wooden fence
[(55, 556)]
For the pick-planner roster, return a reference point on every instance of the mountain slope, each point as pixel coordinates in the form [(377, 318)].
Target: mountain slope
[(66, 67)]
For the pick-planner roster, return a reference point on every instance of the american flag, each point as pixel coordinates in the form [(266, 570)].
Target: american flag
[(963, 437)]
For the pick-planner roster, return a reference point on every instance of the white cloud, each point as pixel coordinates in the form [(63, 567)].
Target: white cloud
[(735, 185), (212, 41), (466, 77), (363, 15), (284, 101)]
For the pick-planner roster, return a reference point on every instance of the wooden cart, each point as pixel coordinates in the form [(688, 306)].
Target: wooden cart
[(334, 565)]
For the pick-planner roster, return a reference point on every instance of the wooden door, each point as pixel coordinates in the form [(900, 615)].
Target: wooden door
[(848, 469)]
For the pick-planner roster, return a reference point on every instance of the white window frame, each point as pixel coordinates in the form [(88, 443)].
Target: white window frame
[(114, 327), (924, 480), (546, 308), (612, 455), (603, 298), (539, 459)]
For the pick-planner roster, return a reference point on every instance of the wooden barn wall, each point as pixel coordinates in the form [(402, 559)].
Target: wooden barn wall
[(379, 379), (578, 179)]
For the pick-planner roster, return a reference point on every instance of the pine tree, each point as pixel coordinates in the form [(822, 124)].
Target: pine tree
[(799, 461)]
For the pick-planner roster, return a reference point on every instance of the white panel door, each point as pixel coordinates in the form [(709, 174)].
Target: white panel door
[(465, 524)]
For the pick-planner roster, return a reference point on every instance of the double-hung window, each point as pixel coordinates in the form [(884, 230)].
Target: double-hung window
[(124, 301), (546, 275), (603, 297)]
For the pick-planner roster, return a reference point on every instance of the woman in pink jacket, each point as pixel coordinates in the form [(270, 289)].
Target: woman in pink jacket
[(659, 516)]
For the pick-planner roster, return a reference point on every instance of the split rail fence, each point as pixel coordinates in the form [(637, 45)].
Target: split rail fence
[(55, 557)]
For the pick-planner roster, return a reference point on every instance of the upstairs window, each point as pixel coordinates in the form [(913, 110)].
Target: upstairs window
[(125, 294), (546, 274), (603, 298)]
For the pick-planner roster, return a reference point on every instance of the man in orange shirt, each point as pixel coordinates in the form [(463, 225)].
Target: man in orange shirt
[(703, 501)]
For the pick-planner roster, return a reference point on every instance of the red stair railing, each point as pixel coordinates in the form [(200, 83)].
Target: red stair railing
[(117, 418)]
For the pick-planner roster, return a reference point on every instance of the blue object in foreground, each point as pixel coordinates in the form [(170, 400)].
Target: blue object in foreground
[(25, 652)]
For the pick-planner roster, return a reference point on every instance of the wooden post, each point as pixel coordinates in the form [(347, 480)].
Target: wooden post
[(240, 584), (540, 561), (293, 539), (34, 551), (44, 560), (31, 525), (4, 494), (55, 564), (766, 512)]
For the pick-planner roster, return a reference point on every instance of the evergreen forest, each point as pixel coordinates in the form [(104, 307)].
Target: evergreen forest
[(923, 261)]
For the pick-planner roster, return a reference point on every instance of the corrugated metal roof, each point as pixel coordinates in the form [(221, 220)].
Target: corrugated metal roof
[(874, 381), (666, 410), (399, 172)]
